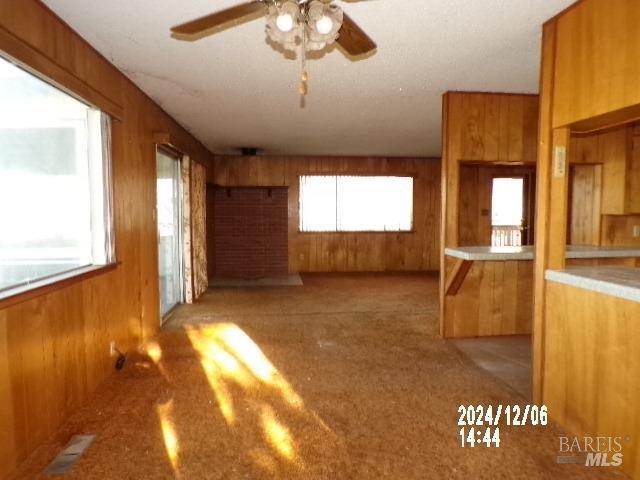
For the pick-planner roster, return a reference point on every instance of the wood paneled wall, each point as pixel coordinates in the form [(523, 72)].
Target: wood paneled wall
[(487, 128), (596, 65), (54, 349), (340, 252), (590, 71), (618, 151), (592, 384), (615, 155), (476, 187), (617, 230), (495, 299)]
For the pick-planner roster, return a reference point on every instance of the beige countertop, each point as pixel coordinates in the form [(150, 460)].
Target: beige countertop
[(621, 282), (527, 252)]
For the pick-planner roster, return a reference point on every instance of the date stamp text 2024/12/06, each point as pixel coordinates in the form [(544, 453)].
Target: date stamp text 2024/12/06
[(480, 426)]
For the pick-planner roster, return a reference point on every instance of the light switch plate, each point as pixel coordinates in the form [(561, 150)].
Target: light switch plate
[(560, 161), (636, 231)]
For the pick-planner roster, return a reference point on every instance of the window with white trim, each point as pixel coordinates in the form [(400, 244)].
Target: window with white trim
[(341, 203), (55, 194)]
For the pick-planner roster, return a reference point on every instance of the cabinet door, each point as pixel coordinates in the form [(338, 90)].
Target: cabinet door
[(585, 183), (633, 175)]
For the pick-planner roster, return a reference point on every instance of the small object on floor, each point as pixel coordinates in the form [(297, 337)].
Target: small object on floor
[(122, 358), (293, 280), (70, 455), (327, 344), (120, 362)]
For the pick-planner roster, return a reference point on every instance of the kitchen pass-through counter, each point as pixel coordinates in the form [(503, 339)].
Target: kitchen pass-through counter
[(621, 282), (489, 290), (527, 252)]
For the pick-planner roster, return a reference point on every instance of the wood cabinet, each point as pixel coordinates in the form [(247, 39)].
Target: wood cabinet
[(592, 374)]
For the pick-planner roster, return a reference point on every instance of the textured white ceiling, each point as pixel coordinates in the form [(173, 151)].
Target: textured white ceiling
[(233, 89)]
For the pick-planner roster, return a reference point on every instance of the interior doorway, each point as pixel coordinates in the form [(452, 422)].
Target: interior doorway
[(169, 216), (509, 211), (496, 204)]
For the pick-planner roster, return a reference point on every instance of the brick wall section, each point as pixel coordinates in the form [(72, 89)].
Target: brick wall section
[(250, 232)]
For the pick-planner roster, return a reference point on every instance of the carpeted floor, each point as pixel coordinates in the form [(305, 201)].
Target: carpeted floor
[(343, 378)]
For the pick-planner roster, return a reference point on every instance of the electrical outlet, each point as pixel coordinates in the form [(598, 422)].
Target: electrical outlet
[(636, 231), (113, 349)]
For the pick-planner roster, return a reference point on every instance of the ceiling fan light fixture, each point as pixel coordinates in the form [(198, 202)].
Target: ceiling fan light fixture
[(324, 25), (292, 25), (284, 22)]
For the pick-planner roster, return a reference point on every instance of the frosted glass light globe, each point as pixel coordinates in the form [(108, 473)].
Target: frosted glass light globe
[(285, 22), (324, 25)]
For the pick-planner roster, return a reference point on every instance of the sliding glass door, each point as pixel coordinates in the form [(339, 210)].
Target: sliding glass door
[(169, 201)]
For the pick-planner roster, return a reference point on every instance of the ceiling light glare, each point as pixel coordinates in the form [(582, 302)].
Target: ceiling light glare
[(285, 22), (324, 25)]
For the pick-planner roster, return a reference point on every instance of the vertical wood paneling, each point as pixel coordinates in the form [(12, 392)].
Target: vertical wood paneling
[(585, 201), (592, 379), (483, 128), (54, 349), (617, 230), (586, 366), (633, 172), (494, 299), (339, 252), (543, 206), (476, 185), (559, 198), (8, 451), (597, 64)]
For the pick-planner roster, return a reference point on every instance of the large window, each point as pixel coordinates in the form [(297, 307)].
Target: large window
[(356, 204), (55, 209)]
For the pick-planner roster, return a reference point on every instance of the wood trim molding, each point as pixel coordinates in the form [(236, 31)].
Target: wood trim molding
[(47, 288), (480, 92), (162, 138), (606, 121), (444, 169), (543, 206), (168, 141), (34, 61)]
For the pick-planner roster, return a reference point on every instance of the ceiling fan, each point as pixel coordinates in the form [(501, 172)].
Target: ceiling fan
[(295, 24)]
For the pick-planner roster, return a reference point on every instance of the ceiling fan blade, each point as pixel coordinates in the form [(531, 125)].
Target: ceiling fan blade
[(353, 39), (228, 17)]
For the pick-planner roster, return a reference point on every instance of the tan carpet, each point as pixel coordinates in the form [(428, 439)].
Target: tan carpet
[(343, 378)]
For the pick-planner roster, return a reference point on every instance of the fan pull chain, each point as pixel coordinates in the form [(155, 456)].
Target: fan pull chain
[(304, 76)]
